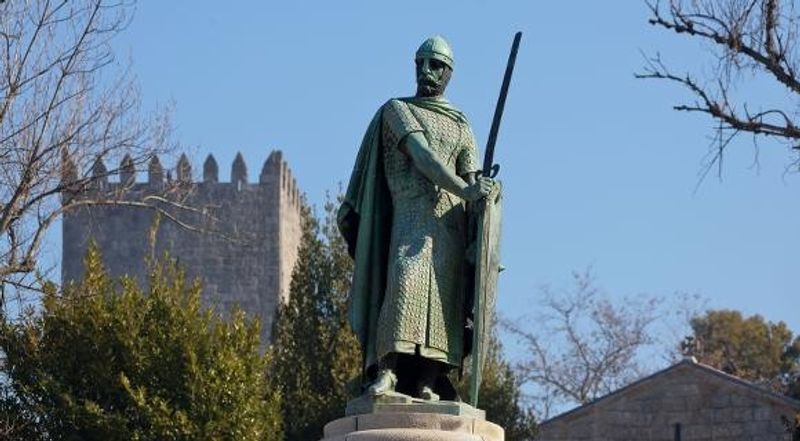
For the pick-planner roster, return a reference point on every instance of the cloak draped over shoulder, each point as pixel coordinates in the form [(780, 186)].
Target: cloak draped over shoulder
[(365, 221)]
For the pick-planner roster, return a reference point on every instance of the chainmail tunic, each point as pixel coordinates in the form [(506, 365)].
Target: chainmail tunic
[(423, 308)]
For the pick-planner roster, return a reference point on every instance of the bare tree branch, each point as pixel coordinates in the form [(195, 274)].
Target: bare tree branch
[(583, 346), (65, 106), (753, 36)]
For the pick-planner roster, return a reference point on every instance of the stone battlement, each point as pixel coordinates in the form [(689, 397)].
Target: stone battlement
[(249, 264), (275, 171)]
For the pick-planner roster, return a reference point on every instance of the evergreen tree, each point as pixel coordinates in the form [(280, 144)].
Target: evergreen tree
[(748, 347), (105, 360), (316, 354), (500, 395)]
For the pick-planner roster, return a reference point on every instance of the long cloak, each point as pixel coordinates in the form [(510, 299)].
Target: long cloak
[(365, 221)]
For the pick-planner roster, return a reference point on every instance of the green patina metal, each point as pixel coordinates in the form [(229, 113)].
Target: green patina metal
[(408, 219), (437, 48)]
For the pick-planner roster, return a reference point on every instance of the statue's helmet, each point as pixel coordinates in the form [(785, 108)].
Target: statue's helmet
[(437, 48)]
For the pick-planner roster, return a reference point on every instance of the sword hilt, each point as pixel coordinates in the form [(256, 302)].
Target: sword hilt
[(490, 173)]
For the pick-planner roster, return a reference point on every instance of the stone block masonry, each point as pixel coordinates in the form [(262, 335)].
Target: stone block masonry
[(247, 263), (688, 401)]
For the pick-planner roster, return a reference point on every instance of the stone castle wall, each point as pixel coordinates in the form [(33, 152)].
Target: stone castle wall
[(247, 261), (685, 404)]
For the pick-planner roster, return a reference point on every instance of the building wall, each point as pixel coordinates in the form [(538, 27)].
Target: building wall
[(705, 408), (249, 264), (276, 175)]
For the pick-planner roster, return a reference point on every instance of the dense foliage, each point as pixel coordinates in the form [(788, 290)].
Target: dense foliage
[(317, 356), (107, 360), (748, 347)]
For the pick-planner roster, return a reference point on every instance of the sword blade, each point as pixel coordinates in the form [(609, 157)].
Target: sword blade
[(488, 159)]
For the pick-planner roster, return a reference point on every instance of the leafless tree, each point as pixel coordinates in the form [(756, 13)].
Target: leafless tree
[(749, 40), (66, 107), (579, 345), (673, 325)]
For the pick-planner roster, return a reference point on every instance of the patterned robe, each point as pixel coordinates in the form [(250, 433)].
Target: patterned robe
[(423, 306)]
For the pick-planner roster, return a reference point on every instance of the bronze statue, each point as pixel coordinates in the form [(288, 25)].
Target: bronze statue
[(422, 223), (406, 221)]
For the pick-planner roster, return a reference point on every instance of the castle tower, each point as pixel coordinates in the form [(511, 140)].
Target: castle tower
[(248, 262)]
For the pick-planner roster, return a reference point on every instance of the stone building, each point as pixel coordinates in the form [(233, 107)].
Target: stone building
[(688, 401), (248, 261)]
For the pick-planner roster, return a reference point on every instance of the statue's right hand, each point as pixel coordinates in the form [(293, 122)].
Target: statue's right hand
[(480, 189)]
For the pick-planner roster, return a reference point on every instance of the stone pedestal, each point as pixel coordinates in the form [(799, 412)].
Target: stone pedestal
[(412, 426), (394, 402)]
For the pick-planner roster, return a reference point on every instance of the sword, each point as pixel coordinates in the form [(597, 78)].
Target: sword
[(490, 169)]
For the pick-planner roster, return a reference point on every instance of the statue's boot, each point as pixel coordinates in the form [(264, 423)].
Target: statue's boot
[(427, 393), (384, 384), (426, 384)]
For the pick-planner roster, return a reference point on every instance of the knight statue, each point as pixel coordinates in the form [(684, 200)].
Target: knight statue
[(407, 220)]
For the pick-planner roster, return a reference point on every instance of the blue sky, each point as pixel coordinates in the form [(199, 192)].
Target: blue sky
[(598, 169)]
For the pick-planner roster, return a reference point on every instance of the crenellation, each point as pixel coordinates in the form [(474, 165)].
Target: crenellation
[(210, 170), (253, 270), (155, 172), (275, 158), (99, 174), (69, 171), (271, 168), (127, 171), (239, 171), (184, 169)]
